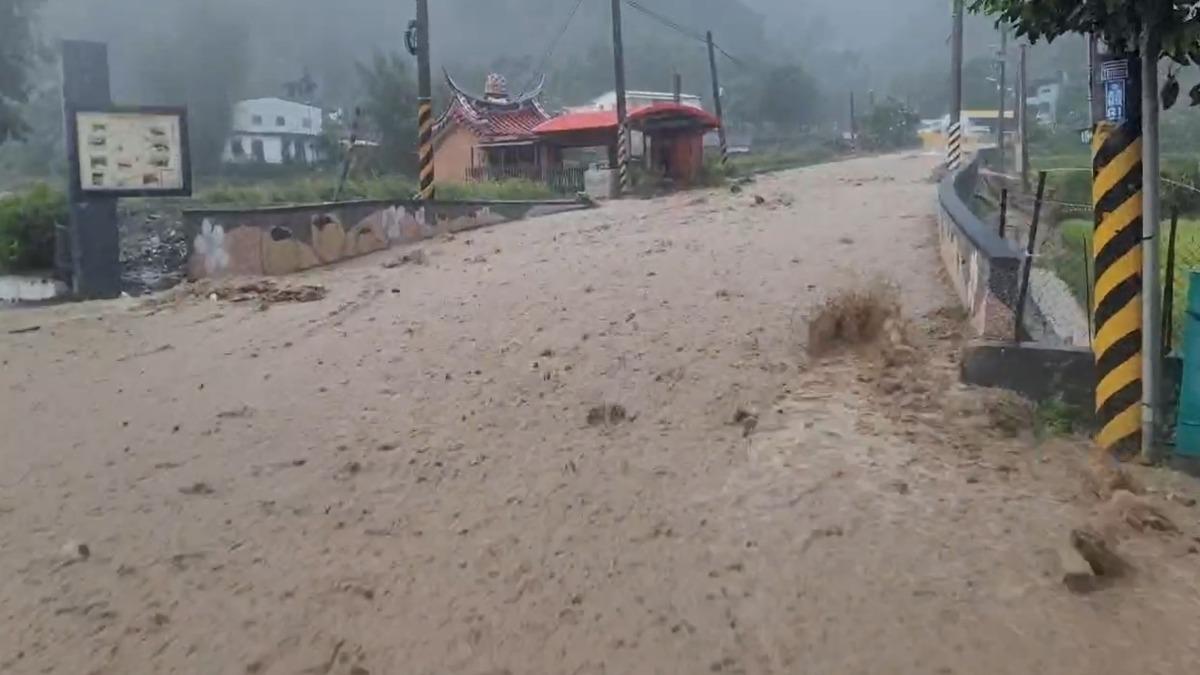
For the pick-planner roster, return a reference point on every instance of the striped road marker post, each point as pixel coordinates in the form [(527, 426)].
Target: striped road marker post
[(954, 149), (425, 151), (1117, 247), (623, 157)]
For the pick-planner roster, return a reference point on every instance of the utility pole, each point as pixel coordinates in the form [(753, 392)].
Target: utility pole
[(1001, 121), (1095, 101), (716, 85), (677, 88), (1125, 354), (1151, 219), (853, 124), (955, 136), (424, 103), (1023, 116), (623, 140)]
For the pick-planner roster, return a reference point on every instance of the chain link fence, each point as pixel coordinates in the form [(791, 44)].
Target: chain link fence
[(1059, 298)]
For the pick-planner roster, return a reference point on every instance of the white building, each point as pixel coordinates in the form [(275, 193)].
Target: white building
[(1045, 104), (642, 99), (274, 131), (635, 100)]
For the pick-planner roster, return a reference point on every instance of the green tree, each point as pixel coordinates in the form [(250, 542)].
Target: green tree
[(19, 54), (201, 62), (786, 96), (391, 108), (890, 126), (1119, 22)]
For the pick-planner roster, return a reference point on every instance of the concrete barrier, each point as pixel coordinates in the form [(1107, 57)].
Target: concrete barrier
[(983, 268), (1036, 371), (287, 239)]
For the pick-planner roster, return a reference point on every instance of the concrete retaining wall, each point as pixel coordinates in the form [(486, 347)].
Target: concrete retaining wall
[(283, 240), (984, 269)]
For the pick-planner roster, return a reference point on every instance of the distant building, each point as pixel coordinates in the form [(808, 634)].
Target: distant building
[(637, 99), (1044, 104), (489, 137), (274, 131)]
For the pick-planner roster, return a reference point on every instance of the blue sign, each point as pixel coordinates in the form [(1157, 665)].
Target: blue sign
[(1114, 100)]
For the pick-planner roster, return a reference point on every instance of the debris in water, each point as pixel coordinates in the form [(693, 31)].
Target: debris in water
[(262, 291), (200, 488), (416, 257), (607, 414)]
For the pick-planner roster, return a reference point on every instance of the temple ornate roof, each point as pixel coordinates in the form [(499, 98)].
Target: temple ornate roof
[(494, 117)]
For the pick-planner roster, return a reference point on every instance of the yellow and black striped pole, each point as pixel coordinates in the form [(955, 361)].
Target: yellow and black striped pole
[(424, 104), (425, 149), (1117, 247), (954, 146)]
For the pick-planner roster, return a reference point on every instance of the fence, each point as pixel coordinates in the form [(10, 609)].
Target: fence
[(1060, 298), (563, 180)]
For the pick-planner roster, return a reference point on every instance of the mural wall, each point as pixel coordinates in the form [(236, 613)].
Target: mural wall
[(284, 240)]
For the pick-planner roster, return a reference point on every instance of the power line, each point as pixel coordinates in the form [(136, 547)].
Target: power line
[(545, 60), (686, 32)]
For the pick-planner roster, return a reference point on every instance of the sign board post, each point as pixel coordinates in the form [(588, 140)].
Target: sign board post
[(112, 152), (91, 249)]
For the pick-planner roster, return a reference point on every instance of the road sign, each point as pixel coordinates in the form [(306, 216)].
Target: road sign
[(1114, 100), (133, 151)]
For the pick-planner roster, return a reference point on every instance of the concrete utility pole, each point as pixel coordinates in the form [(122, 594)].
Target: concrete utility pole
[(1001, 120), (677, 88), (1095, 102), (1023, 116), (424, 103), (623, 139), (853, 124), (716, 85), (1125, 353), (1151, 219), (955, 136)]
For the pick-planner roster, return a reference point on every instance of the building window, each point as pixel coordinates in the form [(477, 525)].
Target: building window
[(236, 147), (256, 148), (280, 122), (256, 120), (307, 123)]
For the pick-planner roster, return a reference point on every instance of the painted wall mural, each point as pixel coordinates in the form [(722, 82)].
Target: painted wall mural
[(275, 241)]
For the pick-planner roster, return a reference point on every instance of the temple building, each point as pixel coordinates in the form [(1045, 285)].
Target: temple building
[(490, 137)]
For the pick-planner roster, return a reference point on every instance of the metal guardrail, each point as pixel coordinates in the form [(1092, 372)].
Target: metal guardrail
[(565, 180)]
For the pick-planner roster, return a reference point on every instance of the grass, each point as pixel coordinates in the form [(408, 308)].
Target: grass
[(1053, 417), (311, 190), (1076, 234)]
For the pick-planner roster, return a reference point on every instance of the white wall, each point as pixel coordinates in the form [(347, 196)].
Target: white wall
[(272, 148), (638, 99)]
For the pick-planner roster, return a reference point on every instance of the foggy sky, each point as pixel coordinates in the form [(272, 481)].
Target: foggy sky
[(886, 37)]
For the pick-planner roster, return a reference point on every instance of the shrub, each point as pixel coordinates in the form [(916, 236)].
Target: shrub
[(517, 189), (27, 224)]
